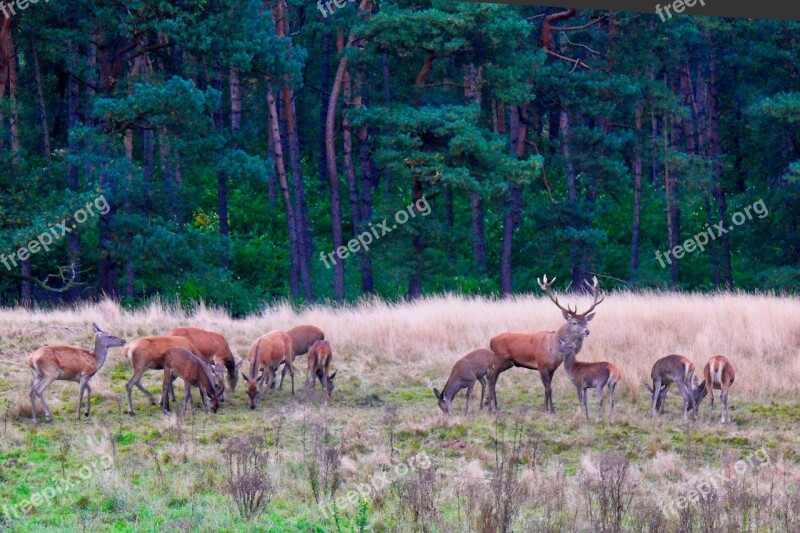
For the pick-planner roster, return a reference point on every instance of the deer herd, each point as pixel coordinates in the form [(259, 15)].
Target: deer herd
[(204, 360)]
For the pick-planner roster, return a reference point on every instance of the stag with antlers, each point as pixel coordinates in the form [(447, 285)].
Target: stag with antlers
[(540, 350)]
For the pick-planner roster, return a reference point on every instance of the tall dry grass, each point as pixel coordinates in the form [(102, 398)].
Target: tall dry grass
[(418, 341)]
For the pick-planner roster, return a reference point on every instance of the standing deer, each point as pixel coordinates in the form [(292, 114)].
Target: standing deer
[(214, 350), (302, 338), (147, 353), (674, 369), (181, 363), (719, 373), (69, 363), (590, 376), (266, 354), (475, 366), (320, 357), (539, 351)]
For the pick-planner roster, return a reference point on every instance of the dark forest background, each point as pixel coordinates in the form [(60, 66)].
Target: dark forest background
[(237, 139)]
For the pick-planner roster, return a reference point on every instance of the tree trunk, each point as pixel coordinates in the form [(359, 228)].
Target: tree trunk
[(236, 100), (670, 195), (222, 176), (73, 239), (347, 145), (42, 109), (637, 194), (416, 263), (325, 82), (280, 169), (513, 204), (472, 95)]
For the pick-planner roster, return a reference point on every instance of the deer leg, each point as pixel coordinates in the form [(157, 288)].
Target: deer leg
[(611, 389), (203, 401), (548, 402), (656, 395), (725, 414), (483, 390), (663, 398), (469, 394), (291, 375), (599, 402), (43, 384), (586, 402), (88, 398), (36, 381)]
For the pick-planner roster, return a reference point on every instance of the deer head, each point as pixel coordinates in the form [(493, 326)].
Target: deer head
[(252, 390), (444, 402), (328, 386), (578, 323), (102, 342)]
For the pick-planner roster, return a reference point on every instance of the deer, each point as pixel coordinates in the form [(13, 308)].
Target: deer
[(540, 351), (266, 354), (477, 365), (195, 372), (302, 338), (586, 376), (147, 353), (69, 363), (679, 370), (320, 357), (214, 350), (719, 373)]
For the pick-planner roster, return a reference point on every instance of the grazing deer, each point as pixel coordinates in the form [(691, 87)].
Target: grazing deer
[(302, 339), (590, 376), (540, 351), (195, 372), (147, 353), (214, 350), (475, 366), (266, 354), (69, 363), (675, 369), (719, 373), (320, 357)]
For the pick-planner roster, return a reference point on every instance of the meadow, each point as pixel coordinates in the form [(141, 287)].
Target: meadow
[(382, 456)]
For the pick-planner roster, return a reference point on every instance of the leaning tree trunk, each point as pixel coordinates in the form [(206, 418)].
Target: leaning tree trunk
[(280, 168), (40, 96)]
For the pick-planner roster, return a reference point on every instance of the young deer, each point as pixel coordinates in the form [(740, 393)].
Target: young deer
[(68, 363), (266, 354), (666, 371), (320, 357), (475, 366), (539, 351), (590, 376), (719, 373), (181, 363), (147, 353), (302, 338), (214, 350)]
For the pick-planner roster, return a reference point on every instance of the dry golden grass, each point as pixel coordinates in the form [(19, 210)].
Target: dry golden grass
[(419, 341)]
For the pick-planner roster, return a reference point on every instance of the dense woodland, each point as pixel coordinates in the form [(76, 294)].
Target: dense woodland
[(237, 140)]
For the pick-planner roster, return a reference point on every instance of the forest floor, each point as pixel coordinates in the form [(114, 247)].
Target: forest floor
[(382, 456)]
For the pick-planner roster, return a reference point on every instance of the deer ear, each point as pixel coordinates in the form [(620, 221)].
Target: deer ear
[(649, 388), (437, 393), (330, 378), (239, 364), (566, 315), (589, 317), (245, 377), (96, 328)]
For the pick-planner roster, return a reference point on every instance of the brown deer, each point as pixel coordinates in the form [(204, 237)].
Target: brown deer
[(302, 339), (477, 365), (539, 351), (266, 354), (675, 369), (69, 363), (147, 353), (320, 357), (195, 372), (719, 373), (590, 376), (214, 350)]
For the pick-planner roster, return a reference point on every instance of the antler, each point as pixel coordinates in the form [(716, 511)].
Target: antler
[(545, 286), (598, 296)]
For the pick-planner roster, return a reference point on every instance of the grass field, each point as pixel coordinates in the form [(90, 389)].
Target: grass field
[(382, 457)]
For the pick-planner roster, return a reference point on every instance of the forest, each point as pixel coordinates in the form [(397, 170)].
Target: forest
[(217, 151)]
